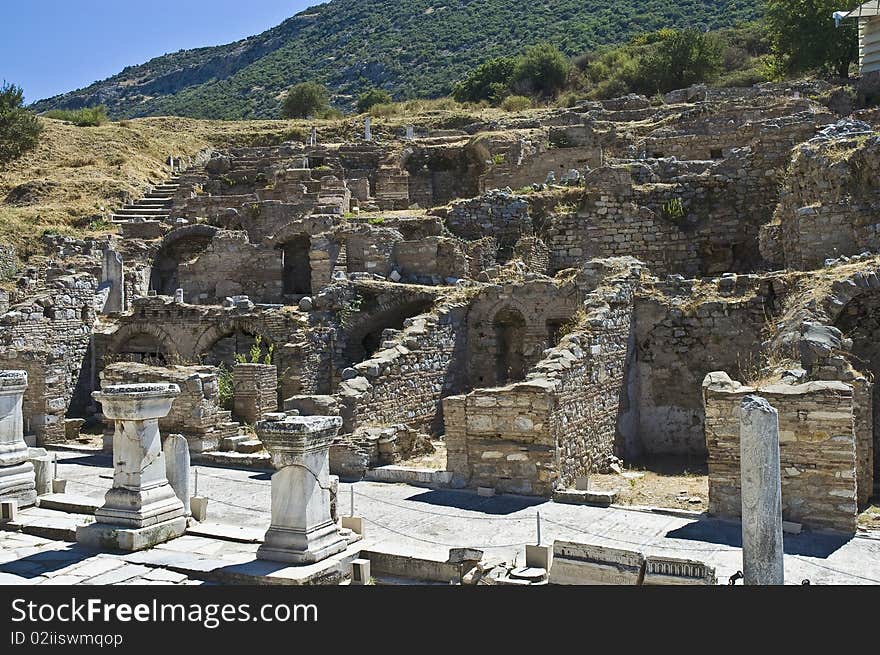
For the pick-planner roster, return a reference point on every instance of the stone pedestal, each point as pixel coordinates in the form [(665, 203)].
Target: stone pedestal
[(761, 493), (141, 510), (302, 531), (16, 472)]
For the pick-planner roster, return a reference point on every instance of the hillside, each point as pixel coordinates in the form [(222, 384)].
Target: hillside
[(77, 176), (413, 48)]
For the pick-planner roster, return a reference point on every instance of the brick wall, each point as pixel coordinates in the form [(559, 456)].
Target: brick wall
[(256, 391), (817, 450)]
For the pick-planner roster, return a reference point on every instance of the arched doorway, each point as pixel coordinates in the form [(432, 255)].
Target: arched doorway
[(296, 266), (509, 326), (227, 349)]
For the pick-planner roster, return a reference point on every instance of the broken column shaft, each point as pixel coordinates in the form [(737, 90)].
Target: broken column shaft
[(302, 530), (141, 510), (761, 493)]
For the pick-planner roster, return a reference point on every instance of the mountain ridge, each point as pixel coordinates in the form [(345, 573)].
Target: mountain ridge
[(412, 48)]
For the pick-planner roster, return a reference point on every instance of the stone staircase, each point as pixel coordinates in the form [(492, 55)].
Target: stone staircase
[(155, 205)]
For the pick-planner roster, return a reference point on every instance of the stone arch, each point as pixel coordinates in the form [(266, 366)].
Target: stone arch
[(220, 343), (178, 246), (142, 342), (364, 335)]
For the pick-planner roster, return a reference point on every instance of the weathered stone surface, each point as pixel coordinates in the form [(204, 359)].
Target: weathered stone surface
[(761, 493)]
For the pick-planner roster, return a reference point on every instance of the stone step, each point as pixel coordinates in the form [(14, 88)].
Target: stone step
[(48, 524), (260, 460), (419, 477), (156, 203), (69, 503), (159, 195), (248, 446), (142, 211), (229, 444)]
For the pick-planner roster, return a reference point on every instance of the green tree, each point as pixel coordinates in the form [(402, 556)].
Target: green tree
[(304, 100), (680, 58), (19, 129), (804, 37), (372, 97), (488, 81), (542, 69)]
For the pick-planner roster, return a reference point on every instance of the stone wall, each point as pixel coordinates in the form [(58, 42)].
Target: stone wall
[(255, 390), (693, 224), (565, 419), (817, 450), (47, 396), (682, 333), (195, 413), (829, 204), (54, 326), (405, 382), (232, 266), (431, 260), (497, 214)]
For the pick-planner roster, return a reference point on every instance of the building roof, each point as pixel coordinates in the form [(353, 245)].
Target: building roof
[(870, 8)]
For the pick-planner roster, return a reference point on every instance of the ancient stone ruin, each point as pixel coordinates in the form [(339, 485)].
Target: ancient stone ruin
[(524, 303)]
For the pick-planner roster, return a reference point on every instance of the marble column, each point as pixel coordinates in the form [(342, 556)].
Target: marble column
[(302, 530), (368, 133), (17, 481), (113, 274), (142, 509), (761, 493)]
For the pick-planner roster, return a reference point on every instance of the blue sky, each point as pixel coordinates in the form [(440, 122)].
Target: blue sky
[(52, 46)]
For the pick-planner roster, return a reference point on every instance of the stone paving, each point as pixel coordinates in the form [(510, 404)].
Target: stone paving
[(419, 522)]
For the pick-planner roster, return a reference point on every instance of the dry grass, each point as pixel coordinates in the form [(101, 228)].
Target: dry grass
[(671, 482)]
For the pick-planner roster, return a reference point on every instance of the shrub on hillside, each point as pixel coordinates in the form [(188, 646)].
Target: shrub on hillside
[(489, 81), (516, 103), (369, 99), (542, 69), (19, 129), (680, 58), (305, 100), (85, 117)]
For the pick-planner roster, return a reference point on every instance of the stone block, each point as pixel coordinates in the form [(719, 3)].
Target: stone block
[(586, 564)]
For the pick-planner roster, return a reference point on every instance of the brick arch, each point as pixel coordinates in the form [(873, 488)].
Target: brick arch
[(387, 310), (165, 338), (310, 226), (239, 325)]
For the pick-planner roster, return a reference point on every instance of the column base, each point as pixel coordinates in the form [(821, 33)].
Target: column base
[(297, 547), (105, 536), (140, 509), (18, 482)]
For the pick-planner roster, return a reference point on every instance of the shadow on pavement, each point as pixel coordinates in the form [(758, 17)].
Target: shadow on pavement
[(729, 533), (469, 500)]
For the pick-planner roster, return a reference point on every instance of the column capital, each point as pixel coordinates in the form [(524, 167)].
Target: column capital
[(137, 402), (289, 438)]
